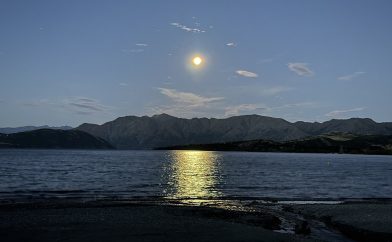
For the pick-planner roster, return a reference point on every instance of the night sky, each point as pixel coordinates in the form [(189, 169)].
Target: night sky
[(70, 62)]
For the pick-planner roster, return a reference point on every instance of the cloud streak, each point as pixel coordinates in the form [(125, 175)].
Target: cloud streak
[(130, 51), (339, 113), (351, 76), (257, 108), (246, 73), (187, 104), (188, 98), (187, 29), (238, 109), (300, 68), (274, 90), (37, 103), (84, 105), (231, 44)]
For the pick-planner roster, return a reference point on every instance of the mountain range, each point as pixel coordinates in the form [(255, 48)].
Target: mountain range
[(132, 132)]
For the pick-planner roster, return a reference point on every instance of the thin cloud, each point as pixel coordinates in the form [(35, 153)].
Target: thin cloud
[(187, 104), (123, 84), (300, 68), (188, 98), (271, 91), (297, 105), (37, 103), (351, 76), (85, 99), (247, 108), (130, 51), (339, 113), (240, 109), (139, 49), (258, 108), (84, 105), (187, 29), (231, 44), (266, 60), (246, 73)]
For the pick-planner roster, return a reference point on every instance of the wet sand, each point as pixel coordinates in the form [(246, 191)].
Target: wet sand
[(125, 221), (359, 221)]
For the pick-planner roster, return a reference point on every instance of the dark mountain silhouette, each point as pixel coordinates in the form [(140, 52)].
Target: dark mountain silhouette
[(53, 139), (330, 143), (9, 130), (163, 130), (364, 126)]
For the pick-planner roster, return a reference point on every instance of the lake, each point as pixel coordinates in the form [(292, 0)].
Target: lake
[(29, 174)]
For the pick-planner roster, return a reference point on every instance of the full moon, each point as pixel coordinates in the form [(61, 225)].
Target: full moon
[(197, 60)]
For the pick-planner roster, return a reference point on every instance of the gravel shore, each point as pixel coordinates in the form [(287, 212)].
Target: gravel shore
[(113, 221)]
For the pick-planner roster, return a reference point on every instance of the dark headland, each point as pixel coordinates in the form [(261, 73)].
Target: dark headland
[(53, 139)]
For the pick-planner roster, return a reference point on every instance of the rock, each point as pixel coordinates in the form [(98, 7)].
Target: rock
[(302, 227)]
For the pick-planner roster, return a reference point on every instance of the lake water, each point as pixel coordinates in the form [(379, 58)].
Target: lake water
[(191, 175)]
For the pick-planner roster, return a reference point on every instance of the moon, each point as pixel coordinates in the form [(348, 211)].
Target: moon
[(197, 60)]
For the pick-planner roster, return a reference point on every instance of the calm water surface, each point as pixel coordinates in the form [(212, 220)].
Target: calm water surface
[(192, 175)]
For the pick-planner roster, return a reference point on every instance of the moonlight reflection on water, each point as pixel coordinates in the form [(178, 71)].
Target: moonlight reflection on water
[(194, 175)]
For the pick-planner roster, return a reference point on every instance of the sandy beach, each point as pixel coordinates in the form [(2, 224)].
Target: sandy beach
[(137, 221)]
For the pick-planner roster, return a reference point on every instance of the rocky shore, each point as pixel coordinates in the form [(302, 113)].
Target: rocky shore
[(229, 221)]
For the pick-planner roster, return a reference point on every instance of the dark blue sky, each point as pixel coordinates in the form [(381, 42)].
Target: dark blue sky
[(69, 62)]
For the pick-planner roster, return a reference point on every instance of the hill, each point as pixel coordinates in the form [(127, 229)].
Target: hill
[(53, 139), (11, 130)]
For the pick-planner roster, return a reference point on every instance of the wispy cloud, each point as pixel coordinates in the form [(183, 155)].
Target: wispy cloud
[(37, 103), (123, 84), (231, 44), (246, 73), (300, 68), (270, 91), (130, 51), (188, 98), (139, 48), (296, 105), (84, 105), (187, 29), (339, 113), (351, 76), (240, 109), (268, 110), (187, 104), (78, 105), (266, 60)]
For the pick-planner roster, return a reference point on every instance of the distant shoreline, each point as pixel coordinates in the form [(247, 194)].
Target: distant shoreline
[(334, 143), (196, 149)]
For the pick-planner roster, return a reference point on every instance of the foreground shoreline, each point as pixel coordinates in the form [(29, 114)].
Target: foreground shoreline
[(110, 220)]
